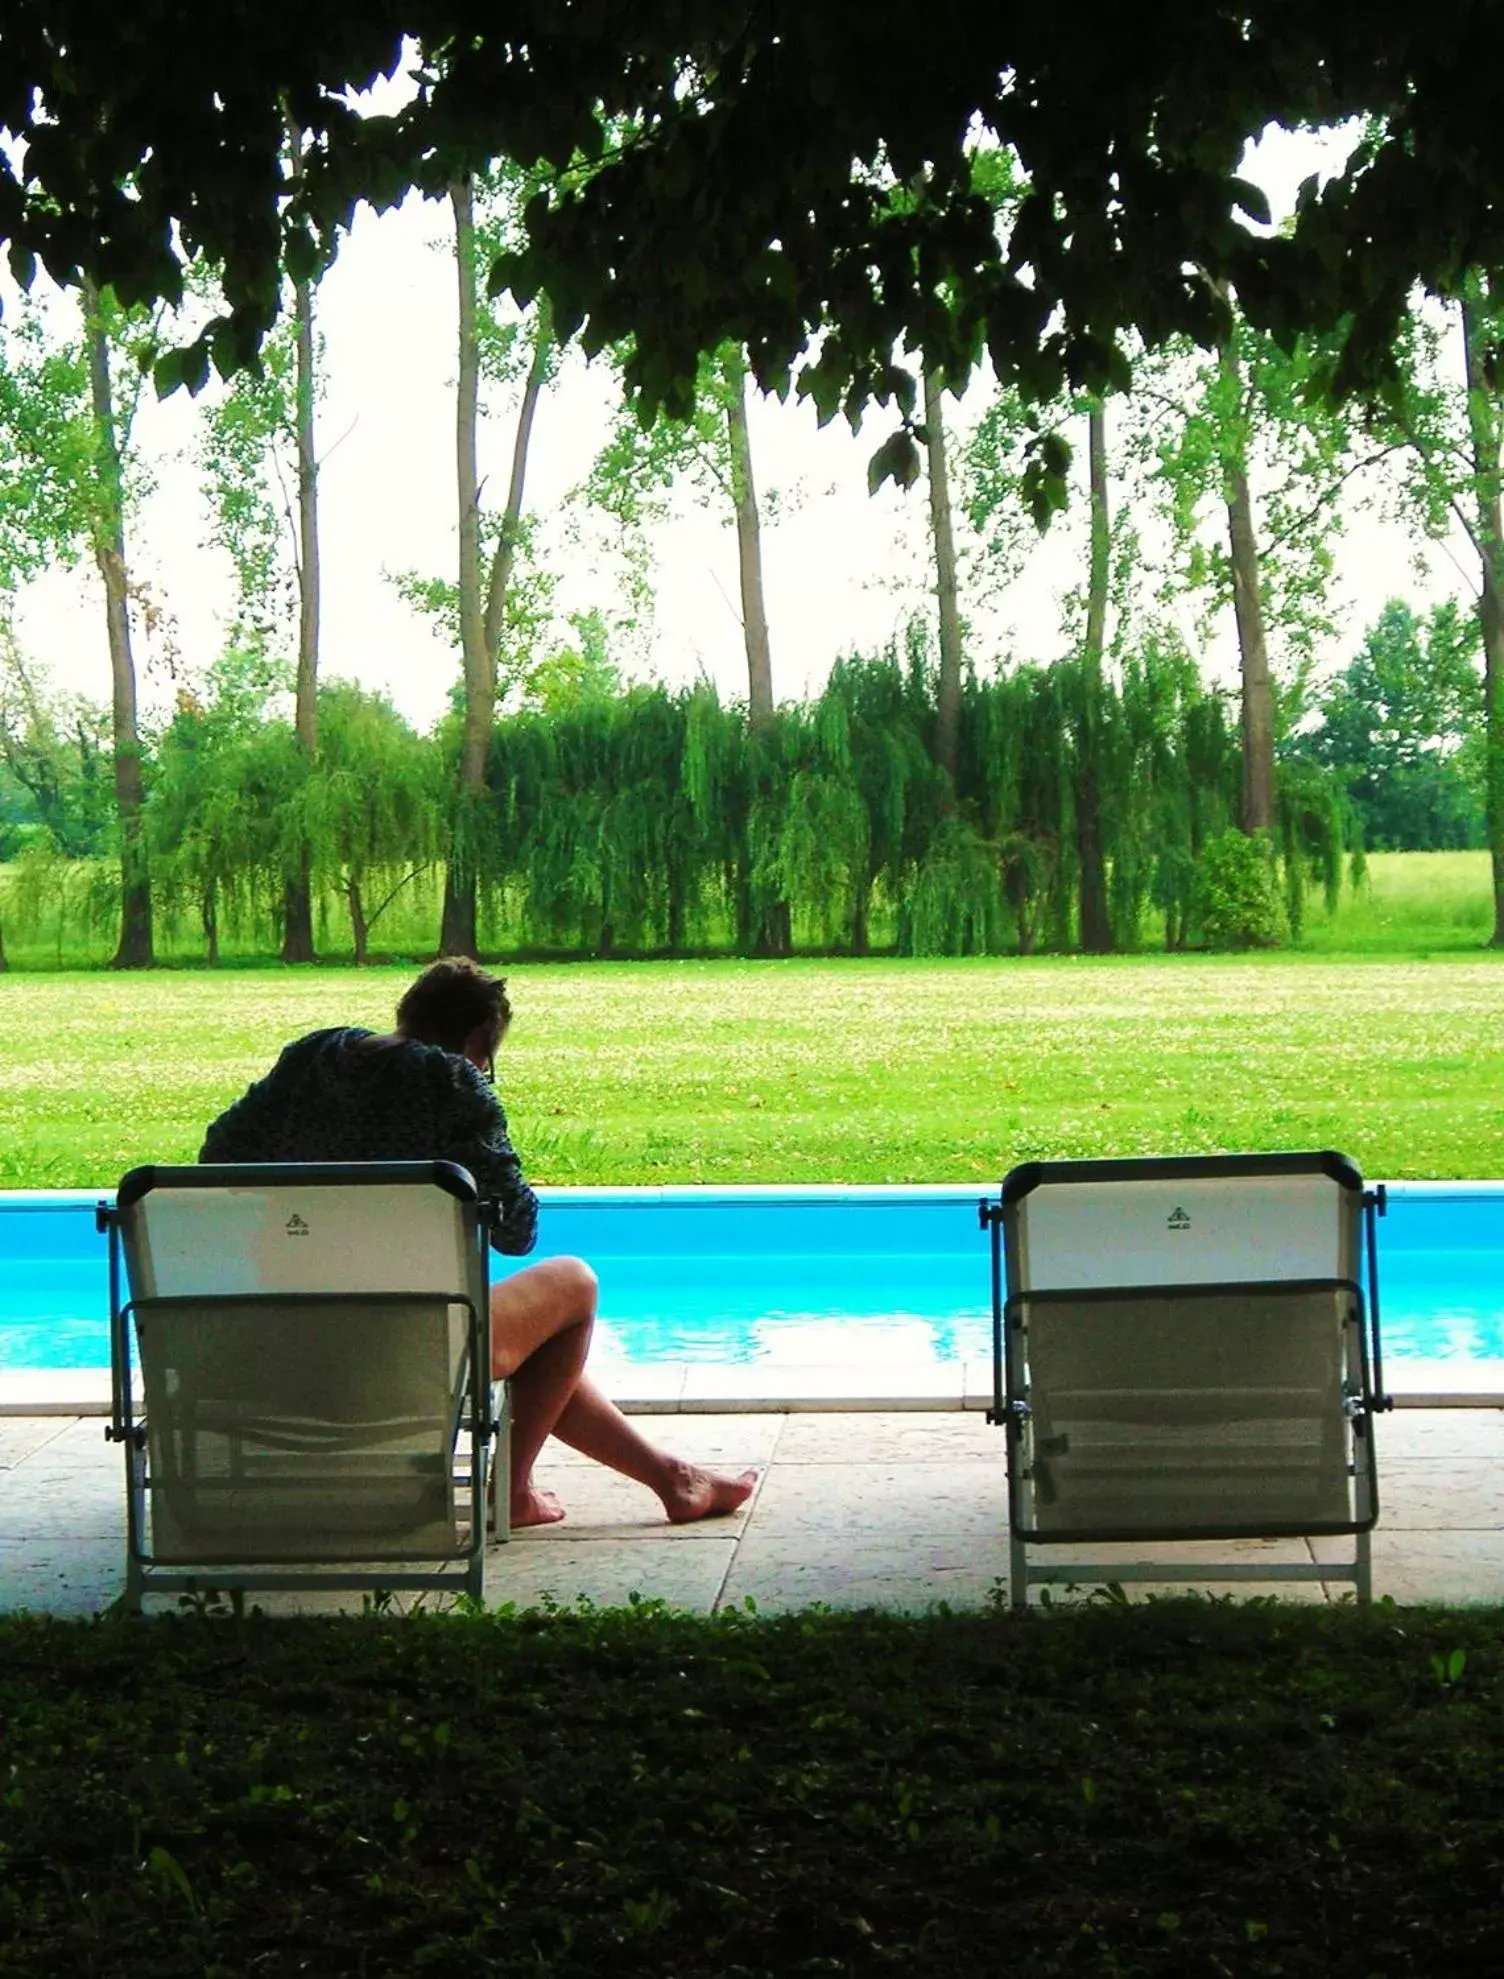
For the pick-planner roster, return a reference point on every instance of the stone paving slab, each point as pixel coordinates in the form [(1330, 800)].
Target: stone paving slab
[(877, 1499), (1430, 1436), (890, 1439), (23, 1436), (888, 1508), (1419, 1566), (607, 1571), (901, 1571)]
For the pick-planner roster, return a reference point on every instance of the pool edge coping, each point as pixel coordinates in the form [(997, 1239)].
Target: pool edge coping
[(690, 1388)]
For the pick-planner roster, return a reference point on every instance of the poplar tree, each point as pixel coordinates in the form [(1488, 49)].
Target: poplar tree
[(1447, 413), (498, 351)]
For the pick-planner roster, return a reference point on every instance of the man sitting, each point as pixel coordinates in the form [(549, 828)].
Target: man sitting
[(425, 1091)]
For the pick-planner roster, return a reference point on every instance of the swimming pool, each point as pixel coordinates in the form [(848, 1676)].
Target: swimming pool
[(791, 1277)]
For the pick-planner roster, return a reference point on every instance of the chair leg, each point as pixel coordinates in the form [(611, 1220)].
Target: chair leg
[(500, 1509), (1018, 1573)]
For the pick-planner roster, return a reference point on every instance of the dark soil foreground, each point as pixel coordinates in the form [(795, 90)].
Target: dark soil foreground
[(1182, 1787)]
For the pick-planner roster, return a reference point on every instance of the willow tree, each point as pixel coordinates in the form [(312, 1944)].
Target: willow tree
[(229, 797), (376, 814), (1000, 453), (56, 748), (888, 711), (632, 480), (497, 350)]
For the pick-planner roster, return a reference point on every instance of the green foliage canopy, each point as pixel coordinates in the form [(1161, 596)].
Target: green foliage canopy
[(749, 199)]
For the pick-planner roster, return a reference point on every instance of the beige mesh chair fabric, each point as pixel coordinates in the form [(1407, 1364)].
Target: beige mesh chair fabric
[(1182, 1356), (308, 1342), (1189, 1415), (302, 1431)]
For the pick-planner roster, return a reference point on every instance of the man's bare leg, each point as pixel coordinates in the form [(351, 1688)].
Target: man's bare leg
[(596, 1427), (541, 1322)]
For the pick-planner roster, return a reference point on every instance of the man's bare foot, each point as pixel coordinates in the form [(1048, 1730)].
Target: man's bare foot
[(700, 1494), (535, 1507)]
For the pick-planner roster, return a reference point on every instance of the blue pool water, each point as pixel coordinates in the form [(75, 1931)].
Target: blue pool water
[(788, 1276)]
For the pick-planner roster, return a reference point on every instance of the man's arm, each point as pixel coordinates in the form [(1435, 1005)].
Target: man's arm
[(239, 1134), (479, 1141)]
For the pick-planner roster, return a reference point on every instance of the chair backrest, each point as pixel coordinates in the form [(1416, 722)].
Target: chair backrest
[(1217, 1220), (305, 1336), (336, 1227), (1186, 1336)]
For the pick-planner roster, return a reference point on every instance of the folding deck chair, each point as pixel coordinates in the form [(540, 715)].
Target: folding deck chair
[(314, 1346), (1182, 1350)]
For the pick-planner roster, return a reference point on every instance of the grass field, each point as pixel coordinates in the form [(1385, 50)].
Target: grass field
[(1410, 903), (806, 1071)]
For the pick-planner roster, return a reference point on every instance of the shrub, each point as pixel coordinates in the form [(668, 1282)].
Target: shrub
[(1236, 899)]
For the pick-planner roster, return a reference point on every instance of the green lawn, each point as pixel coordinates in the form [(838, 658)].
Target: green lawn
[(1178, 1789), (1410, 903), (880, 1071)]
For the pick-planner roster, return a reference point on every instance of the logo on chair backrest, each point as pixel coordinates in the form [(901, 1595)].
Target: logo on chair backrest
[(1177, 1219), (295, 1226)]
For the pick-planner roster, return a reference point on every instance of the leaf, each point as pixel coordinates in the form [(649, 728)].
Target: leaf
[(301, 254), (164, 1865), (1252, 200), (167, 373), (897, 460)]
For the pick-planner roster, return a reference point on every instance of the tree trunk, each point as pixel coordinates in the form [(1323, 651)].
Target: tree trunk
[(948, 705), (1096, 925), (1483, 425), (774, 935), (458, 932), (297, 924), (482, 621), (749, 553), (360, 927), (135, 949), (1253, 652), (208, 913), (500, 577), (861, 918)]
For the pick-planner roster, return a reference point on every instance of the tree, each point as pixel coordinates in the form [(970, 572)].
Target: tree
[(107, 532), (1254, 417), (376, 811), (631, 480), (1450, 418), (261, 467), (136, 145), (948, 711), (1400, 724), (491, 349), (297, 926), (633, 477), (71, 481), (56, 749), (995, 468), (228, 801)]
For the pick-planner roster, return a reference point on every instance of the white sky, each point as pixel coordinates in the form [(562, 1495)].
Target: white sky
[(842, 570)]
